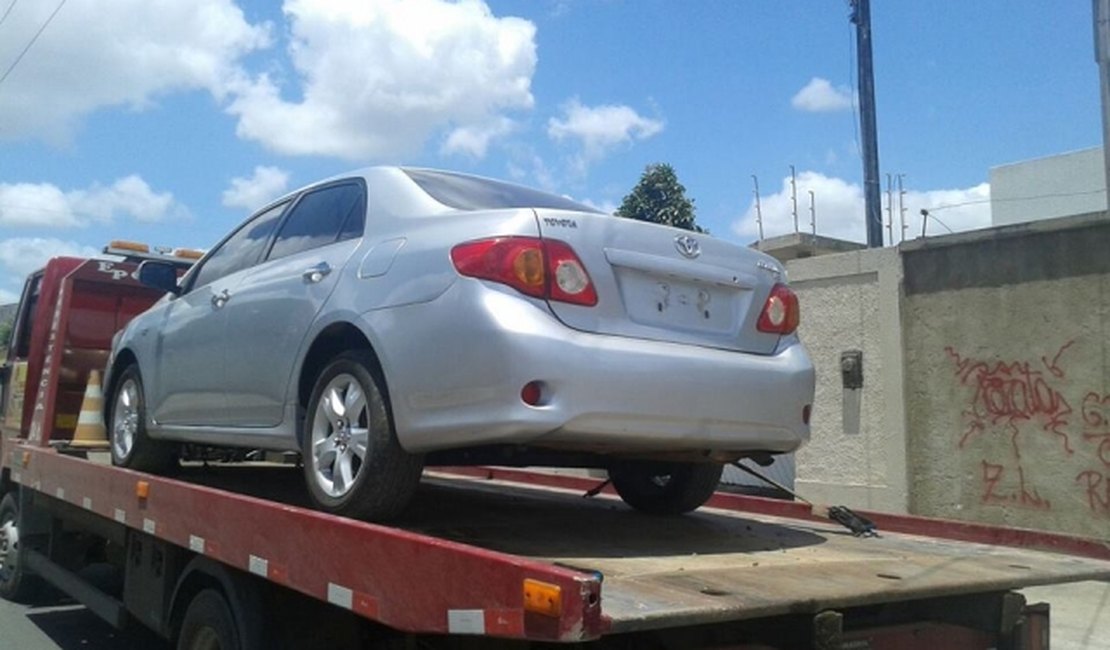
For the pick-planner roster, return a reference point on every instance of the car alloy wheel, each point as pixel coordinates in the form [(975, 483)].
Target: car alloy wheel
[(340, 435), (131, 446), (353, 464), (125, 418)]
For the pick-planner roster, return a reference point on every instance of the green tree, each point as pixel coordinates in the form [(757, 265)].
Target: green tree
[(5, 333), (660, 198)]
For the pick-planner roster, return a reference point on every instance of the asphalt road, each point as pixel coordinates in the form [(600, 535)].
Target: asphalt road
[(1080, 621), (53, 623)]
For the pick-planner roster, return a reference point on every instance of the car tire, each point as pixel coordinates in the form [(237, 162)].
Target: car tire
[(131, 446), (354, 465), (665, 488), (15, 583)]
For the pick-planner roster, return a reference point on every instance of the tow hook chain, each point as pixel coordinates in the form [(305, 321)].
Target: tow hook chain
[(859, 525)]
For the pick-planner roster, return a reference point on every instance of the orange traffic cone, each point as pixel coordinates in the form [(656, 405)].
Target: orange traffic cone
[(90, 431)]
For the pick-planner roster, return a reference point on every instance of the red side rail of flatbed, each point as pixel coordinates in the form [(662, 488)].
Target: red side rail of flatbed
[(409, 581)]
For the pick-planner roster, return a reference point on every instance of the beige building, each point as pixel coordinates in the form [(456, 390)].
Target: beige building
[(1063, 185), (986, 376)]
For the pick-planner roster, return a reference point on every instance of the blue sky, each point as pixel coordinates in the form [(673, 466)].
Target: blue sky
[(169, 121)]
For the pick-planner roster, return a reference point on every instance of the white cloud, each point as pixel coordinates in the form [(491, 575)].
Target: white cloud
[(839, 210), (129, 196), (119, 53), (474, 140), (820, 96), (600, 128), (35, 204), (22, 255), (376, 80), (46, 205), (8, 297), (266, 184)]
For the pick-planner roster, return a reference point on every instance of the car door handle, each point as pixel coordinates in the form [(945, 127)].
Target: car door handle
[(220, 299), (316, 273)]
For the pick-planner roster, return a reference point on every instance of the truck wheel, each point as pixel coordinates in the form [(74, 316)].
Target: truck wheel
[(131, 447), (353, 464), (14, 583), (662, 488), (208, 624)]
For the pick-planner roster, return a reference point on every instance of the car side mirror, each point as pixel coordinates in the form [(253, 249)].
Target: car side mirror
[(159, 275)]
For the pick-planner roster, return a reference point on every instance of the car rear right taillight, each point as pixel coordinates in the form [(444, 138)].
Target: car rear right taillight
[(543, 268), (780, 313)]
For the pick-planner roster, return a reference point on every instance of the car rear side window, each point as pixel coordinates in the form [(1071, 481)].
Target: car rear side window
[(242, 249), (464, 192), (320, 218)]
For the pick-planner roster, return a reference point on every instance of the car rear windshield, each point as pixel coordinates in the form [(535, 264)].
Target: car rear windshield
[(464, 192)]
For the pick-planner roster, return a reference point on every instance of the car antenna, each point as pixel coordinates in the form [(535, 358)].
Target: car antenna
[(859, 525)]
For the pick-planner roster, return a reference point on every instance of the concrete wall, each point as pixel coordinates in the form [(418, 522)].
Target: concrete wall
[(1057, 186), (857, 454), (1006, 339)]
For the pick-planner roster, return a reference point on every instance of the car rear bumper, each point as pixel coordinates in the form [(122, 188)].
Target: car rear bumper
[(458, 383)]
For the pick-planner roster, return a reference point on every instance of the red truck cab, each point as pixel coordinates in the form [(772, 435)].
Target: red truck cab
[(98, 297)]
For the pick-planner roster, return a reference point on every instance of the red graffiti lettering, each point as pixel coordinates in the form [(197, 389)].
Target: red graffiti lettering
[(1029, 496), (1013, 393), (994, 492), (1054, 367), (1097, 488), (1095, 410), (992, 474), (1096, 420)]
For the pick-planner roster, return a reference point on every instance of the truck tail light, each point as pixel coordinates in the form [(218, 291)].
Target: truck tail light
[(542, 268), (780, 313)]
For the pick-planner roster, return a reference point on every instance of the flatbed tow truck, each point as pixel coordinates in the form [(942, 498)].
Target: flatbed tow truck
[(228, 555)]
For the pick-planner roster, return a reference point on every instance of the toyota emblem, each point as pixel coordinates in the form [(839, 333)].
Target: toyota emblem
[(688, 246)]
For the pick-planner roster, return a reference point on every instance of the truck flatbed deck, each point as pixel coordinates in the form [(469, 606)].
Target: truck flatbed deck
[(469, 541)]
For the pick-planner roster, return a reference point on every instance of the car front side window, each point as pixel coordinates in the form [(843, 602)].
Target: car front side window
[(322, 217), (242, 249)]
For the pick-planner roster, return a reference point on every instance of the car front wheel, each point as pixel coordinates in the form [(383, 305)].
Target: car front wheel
[(131, 447), (665, 488), (354, 465)]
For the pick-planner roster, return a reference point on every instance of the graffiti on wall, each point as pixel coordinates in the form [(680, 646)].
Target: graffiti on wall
[(1024, 403), (1096, 432)]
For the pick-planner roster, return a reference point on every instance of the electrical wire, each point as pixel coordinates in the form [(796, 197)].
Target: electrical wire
[(7, 11), (32, 41), (928, 214), (1055, 195)]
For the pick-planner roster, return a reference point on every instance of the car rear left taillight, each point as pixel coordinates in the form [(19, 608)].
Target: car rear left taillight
[(543, 268), (780, 313)]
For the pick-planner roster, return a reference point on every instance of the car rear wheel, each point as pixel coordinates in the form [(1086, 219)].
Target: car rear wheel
[(663, 488), (354, 465), (131, 447)]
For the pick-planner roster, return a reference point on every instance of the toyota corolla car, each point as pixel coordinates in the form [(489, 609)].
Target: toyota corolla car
[(394, 317)]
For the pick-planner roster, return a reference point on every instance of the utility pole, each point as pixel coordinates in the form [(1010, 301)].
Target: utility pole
[(794, 197), (812, 214), (901, 209), (1102, 57), (890, 208), (758, 209), (861, 18)]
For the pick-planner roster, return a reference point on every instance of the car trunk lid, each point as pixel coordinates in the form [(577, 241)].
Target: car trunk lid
[(666, 284)]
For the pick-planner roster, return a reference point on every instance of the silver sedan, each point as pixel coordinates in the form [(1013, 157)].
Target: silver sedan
[(394, 317)]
